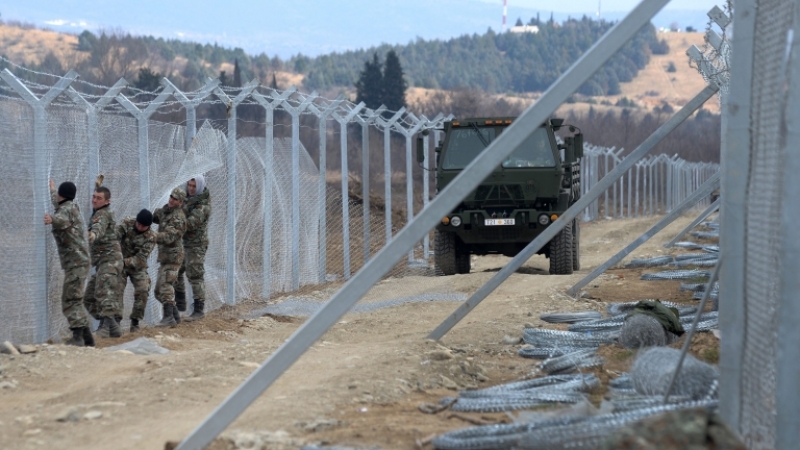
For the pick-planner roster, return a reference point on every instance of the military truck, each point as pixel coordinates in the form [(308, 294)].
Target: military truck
[(513, 205)]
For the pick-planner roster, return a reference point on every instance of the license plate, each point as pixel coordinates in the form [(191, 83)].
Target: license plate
[(492, 222)]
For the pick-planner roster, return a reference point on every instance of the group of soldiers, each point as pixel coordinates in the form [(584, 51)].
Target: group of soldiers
[(120, 252)]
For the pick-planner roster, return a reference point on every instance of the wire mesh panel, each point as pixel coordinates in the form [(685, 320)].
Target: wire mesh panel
[(763, 238)]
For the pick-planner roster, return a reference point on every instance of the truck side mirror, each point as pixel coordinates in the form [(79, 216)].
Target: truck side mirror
[(420, 150), (578, 145)]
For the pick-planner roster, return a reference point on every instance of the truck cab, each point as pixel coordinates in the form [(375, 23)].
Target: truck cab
[(514, 204)]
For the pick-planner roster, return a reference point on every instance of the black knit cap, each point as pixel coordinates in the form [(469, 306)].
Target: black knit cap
[(145, 218), (67, 190)]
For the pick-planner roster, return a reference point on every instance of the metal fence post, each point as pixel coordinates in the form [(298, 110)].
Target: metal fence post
[(323, 115), (343, 121), (387, 169), (93, 132), (735, 158), (41, 193), (426, 170), (366, 121), (295, 112), (191, 105), (266, 199), (230, 262), (355, 288), (687, 204), (409, 133), (141, 117)]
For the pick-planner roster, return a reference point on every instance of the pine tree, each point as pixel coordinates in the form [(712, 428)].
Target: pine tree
[(369, 87), (274, 84), (394, 85), (237, 74), (519, 22), (223, 78)]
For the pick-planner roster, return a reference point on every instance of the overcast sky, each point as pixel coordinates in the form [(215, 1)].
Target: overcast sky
[(315, 27)]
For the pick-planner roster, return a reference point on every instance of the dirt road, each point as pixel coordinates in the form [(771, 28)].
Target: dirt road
[(360, 386)]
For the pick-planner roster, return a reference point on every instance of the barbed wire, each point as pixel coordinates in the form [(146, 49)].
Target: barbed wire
[(404, 123)]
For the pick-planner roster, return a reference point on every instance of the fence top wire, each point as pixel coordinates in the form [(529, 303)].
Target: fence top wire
[(405, 123)]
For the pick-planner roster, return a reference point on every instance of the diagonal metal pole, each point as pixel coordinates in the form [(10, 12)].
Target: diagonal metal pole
[(413, 232), (703, 191), (571, 213), (714, 207), (693, 329)]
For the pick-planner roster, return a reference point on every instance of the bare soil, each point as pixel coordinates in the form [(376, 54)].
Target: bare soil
[(361, 385)]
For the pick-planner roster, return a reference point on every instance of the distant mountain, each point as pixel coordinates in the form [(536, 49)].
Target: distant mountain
[(310, 27)]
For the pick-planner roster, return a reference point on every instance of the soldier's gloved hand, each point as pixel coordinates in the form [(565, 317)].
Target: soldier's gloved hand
[(91, 238)]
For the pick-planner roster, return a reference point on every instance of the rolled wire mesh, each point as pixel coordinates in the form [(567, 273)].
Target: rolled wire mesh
[(676, 275), (651, 262)]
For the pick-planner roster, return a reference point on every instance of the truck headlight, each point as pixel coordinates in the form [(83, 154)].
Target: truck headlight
[(455, 221), (543, 219)]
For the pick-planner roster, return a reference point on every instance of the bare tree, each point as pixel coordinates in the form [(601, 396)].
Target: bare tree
[(115, 55)]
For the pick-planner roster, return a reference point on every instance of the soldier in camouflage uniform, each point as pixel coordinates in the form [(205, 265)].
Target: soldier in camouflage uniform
[(171, 227), (68, 228), (137, 241), (102, 299), (195, 243)]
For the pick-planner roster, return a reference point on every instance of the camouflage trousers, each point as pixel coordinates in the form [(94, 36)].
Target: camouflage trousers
[(72, 296), (194, 267), (165, 284), (141, 290), (103, 298)]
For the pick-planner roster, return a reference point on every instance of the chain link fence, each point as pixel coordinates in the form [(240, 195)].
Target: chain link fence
[(304, 189)]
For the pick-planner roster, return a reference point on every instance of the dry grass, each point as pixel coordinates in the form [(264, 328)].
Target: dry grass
[(30, 46)]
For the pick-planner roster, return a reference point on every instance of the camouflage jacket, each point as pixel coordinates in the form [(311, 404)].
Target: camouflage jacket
[(171, 227), (68, 229), (136, 246), (197, 210), (105, 244)]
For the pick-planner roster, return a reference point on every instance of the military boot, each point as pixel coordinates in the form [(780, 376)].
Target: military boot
[(102, 330), (114, 329), (177, 314), (169, 316), (197, 314), (88, 339), (180, 301), (77, 337), (134, 325)]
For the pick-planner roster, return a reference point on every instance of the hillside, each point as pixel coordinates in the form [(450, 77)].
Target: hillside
[(652, 86)]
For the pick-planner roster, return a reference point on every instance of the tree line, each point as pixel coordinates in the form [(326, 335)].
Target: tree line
[(495, 62)]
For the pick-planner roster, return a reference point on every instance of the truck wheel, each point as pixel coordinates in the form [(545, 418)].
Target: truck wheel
[(463, 260), (561, 252), (444, 254), (576, 245)]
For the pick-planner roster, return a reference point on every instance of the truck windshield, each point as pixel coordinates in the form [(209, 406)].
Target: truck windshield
[(534, 152), (465, 144)]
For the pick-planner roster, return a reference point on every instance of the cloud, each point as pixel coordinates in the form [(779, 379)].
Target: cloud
[(56, 23)]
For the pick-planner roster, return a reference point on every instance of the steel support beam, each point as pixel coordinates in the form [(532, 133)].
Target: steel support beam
[(571, 213), (708, 211), (413, 232)]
